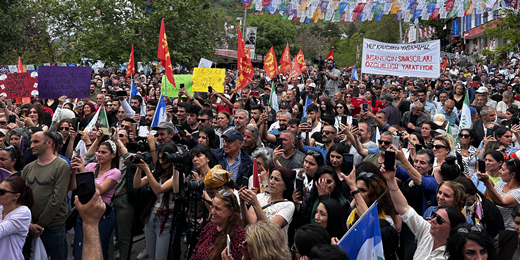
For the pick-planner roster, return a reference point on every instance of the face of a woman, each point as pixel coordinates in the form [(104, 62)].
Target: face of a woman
[(158, 91), (509, 115), (505, 174), (335, 159), (6, 161), (199, 161), (8, 198), (440, 152), (474, 251), (516, 221), (310, 165), (340, 108), (464, 137), (413, 138), (329, 178), (420, 163), (276, 184), (440, 230), (507, 138), (105, 155), (33, 114), (222, 121), (86, 109), (203, 138), (425, 130), (260, 162), (64, 129), (368, 95), (321, 217), (296, 109), (163, 165), (459, 90), (492, 164), (323, 106), (363, 188), (446, 196), (220, 213)]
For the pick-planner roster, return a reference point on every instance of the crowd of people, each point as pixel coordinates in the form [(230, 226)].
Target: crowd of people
[(453, 192)]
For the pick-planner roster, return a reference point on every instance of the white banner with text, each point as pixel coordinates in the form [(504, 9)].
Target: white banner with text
[(413, 60)]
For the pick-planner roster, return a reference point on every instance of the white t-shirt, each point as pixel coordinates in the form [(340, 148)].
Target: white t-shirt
[(284, 209), (506, 212)]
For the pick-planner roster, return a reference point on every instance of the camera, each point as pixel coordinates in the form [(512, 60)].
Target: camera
[(140, 138), (172, 158), (194, 185), (138, 147), (146, 157)]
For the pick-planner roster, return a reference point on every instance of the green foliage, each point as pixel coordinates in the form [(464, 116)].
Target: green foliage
[(273, 30), (508, 29), (11, 30)]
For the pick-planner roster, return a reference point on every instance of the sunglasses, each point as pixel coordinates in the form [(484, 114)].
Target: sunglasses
[(122, 135), (109, 105), (438, 146), (465, 231), (385, 142), (464, 136), (202, 120), (439, 219), (366, 174), (64, 128), (104, 92), (339, 107), (227, 193), (10, 147), (4, 191), (326, 132)]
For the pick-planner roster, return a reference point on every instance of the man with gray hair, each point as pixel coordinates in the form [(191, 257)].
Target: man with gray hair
[(487, 115), (286, 155), (508, 100), (250, 137), (271, 136), (448, 111), (240, 119), (413, 120)]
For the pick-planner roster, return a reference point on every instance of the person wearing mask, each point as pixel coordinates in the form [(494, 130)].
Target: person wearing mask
[(16, 200), (232, 158)]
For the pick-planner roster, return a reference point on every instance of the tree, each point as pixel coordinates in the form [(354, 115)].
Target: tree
[(11, 33), (312, 44), (508, 29), (105, 29), (273, 30)]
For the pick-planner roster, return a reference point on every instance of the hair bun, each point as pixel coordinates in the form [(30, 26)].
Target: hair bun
[(451, 160)]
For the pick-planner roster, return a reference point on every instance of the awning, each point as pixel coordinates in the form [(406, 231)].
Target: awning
[(234, 55), (479, 30)]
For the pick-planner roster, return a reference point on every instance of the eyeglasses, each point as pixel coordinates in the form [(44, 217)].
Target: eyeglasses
[(4, 191), (294, 250), (10, 147), (109, 105), (326, 132), (122, 135), (439, 219), (104, 92), (465, 231), (366, 174), (202, 120), (227, 193), (464, 136), (64, 128), (385, 142), (438, 146)]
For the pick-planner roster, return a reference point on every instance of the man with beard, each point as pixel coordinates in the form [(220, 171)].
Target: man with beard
[(316, 137), (286, 155), (144, 129), (240, 120), (192, 125), (328, 134), (256, 111), (377, 155), (271, 136), (331, 76), (250, 137), (232, 158)]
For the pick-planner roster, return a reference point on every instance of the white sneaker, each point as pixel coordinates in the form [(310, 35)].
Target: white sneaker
[(118, 256), (143, 254)]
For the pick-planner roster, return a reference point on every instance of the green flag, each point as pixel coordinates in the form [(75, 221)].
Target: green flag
[(103, 117), (273, 99)]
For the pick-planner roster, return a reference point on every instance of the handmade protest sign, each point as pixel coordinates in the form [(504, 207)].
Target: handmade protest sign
[(18, 85), (171, 91), (56, 81), (413, 60), (204, 78)]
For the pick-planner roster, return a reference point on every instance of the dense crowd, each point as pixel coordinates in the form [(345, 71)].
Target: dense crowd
[(319, 146)]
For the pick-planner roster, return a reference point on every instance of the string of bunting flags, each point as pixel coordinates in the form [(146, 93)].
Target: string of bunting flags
[(361, 10)]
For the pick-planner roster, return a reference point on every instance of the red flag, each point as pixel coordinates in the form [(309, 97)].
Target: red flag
[(164, 55), (331, 55), (256, 182), (295, 69), (20, 66), (285, 61), (243, 63), (445, 63), (131, 66), (270, 64), (301, 61)]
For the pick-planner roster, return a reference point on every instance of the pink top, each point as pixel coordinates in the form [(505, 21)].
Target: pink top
[(113, 174)]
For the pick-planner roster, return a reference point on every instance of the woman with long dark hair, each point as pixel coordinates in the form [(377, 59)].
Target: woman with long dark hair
[(467, 242), (36, 117), (208, 137), (336, 160), (159, 209), (326, 108), (372, 101), (330, 216)]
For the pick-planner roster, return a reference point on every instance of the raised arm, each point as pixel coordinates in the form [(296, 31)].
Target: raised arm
[(506, 201), (400, 203)]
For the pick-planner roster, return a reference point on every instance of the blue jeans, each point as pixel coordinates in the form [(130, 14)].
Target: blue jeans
[(157, 245), (55, 242), (106, 227)]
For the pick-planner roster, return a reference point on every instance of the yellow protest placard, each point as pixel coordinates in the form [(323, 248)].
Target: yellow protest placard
[(205, 77)]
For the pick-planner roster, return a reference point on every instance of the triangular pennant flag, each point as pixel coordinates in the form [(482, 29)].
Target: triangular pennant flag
[(331, 55)]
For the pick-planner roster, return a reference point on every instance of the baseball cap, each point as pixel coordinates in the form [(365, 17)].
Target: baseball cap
[(312, 85), (439, 119), (3, 131), (482, 90), (473, 110), (164, 125), (233, 135)]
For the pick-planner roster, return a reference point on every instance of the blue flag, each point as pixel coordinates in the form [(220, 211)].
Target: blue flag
[(160, 112), (307, 102), (363, 240), (354, 73), (134, 91)]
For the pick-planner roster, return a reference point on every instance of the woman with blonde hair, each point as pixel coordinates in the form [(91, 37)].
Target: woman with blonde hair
[(264, 241), (448, 193)]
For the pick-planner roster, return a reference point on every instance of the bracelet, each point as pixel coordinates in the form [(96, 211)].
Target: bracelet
[(354, 192), (88, 145), (394, 190)]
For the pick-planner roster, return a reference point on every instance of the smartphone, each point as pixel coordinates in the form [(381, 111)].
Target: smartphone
[(245, 181), (365, 107), (279, 142), (228, 241), (354, 122), (416, 94), (481, 166), (299, 187), (309, 120), (121, 93), (255, 93), (395, 141), (12, 119), (303, 120), (490, 132), (418, 147), (326, 92), (85, 186), (180, 130), (515, 121), (264, 100), (138, 110), (349, 162), (389, 160), (344, 120), (210, 89), (106, 130), (76, 152)]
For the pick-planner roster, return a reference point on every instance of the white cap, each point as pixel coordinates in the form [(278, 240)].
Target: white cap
[(482, 90), (312, 85)]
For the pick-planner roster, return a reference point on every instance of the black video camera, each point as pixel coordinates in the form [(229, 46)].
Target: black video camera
[(138, 147), (146, 157), (194, 185), (172, 158)]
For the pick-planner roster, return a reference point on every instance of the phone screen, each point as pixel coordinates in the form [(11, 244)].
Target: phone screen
[(365, 107), (85, 186), (344, 120), (389, 160), (481, 166), (228, 244), (181, 130), (354, 122), (303, 120), (210, 89), (395, 141), (299, 187), (264, 99), (349, 162), (182, 85)]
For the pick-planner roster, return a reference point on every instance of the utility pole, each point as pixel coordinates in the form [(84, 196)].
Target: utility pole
[(400, 33), (245, 17)]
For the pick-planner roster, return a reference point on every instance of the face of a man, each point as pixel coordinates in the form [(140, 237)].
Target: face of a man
[(330, 65), (192, 119), (181, 113), (443, 97), (287, 143), (363, 132), (416, 110), (481, 101), (395, 94), (149, 117), (327, 134), (289, 96), (383, 147), (38, 143), (245, 94), (126, 125), (491, 117), (240, 120), (134, 103), (422, 96), (448, 107), (203, 121), (163, 137), (337, 97), (3, 123), (255, 114), (283, 121), (312, 115), (92, 88), (249, 139), (121, 114), (293, 128), (115, 105), (231, 146)]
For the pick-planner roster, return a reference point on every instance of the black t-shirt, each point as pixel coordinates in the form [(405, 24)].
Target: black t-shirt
[(413, 118)]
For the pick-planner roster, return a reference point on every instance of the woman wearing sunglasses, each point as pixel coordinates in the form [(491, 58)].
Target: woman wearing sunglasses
[(16, 199), (225, 220), (264, 241), (467, 242), (431, 235), (506, 193), (442, 146), (275, 206), (469, 152), (159, 205)]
